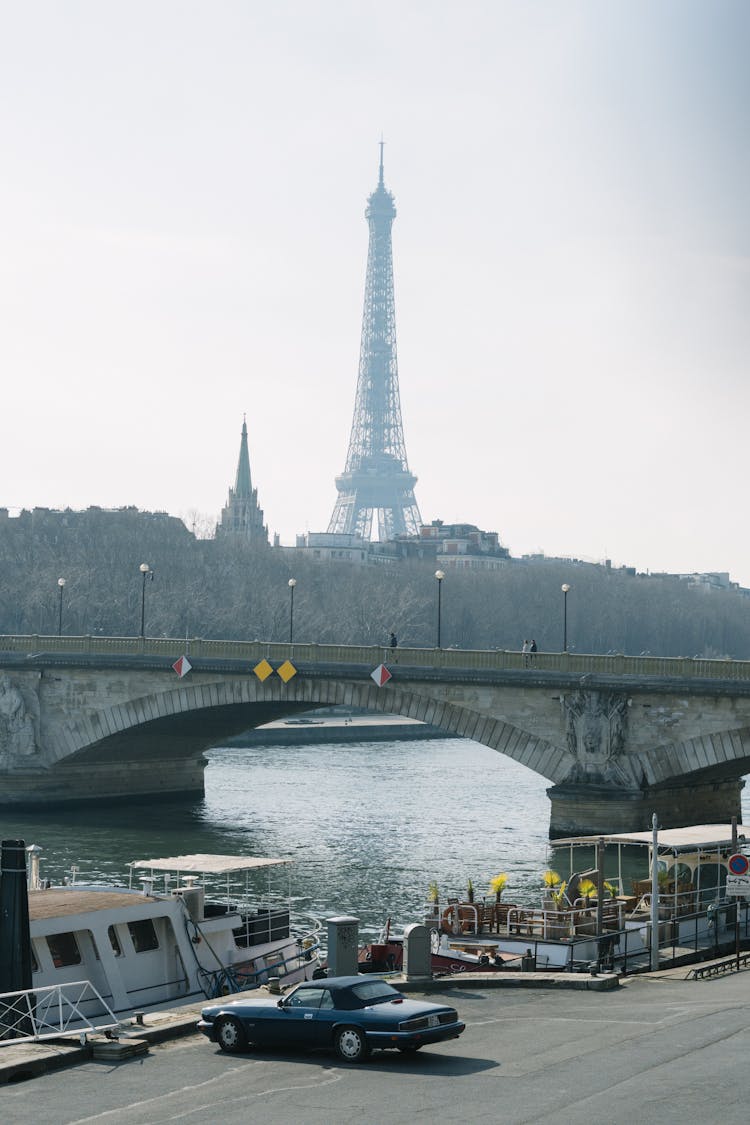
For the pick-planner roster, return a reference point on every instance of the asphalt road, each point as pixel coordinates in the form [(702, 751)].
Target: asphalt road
[(656, 1050)]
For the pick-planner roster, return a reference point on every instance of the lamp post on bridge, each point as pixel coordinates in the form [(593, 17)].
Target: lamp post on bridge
[(61, 587), (565, 588), (292, 584), (146, 572), (439, 575)]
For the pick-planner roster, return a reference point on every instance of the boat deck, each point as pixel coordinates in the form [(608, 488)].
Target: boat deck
[(64, 902)]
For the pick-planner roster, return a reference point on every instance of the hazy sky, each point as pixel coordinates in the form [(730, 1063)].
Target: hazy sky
[(183, 238)]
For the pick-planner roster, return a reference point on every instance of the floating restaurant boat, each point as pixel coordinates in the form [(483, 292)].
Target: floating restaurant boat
[(195, 928), (575, 931)]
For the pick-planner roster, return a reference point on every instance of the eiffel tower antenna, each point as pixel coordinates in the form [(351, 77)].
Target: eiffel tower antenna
[(376, 482)]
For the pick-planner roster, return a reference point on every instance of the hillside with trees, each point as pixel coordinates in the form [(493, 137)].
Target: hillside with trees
[(223, 588)]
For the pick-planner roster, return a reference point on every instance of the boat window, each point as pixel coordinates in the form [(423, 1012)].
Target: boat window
[(682, 873), (114, 941), (711, 880), (143, 935), (64, 950)]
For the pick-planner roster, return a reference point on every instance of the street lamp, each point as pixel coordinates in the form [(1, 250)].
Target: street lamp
[(292, 584), (145, 570), (565, 587), (440, 575), (61, 585)]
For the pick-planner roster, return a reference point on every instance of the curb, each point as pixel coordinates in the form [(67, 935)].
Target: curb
[(581, 982)]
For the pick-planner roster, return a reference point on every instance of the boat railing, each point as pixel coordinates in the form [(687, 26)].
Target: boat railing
[(559, 925), (261, 926), (671, 905), (707, 931), (47, 1013), (222, 982)]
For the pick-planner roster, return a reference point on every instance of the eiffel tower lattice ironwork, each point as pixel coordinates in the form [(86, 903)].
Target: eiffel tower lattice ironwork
[(377, 478)]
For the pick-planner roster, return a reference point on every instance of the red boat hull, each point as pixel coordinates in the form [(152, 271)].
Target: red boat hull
[(389, 957)]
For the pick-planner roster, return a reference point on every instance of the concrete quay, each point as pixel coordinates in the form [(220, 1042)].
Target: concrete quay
[(657, 1048), (27, 1060)]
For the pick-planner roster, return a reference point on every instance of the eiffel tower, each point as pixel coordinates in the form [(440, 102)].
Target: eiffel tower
[(377, 477)]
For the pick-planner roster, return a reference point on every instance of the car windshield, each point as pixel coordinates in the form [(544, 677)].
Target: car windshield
[(374, 992)]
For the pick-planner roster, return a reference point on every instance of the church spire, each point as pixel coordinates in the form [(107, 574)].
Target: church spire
[(241, 514), (243, 485)]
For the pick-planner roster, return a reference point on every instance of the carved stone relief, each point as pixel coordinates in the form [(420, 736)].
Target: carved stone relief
[(596, 729), (19, 714)]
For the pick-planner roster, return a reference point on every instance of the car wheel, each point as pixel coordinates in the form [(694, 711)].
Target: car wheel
[(351, 1044), (230, 1035), (409, 1048)]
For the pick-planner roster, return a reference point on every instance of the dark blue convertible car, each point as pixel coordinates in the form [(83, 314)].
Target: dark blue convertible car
[(354, 1015)]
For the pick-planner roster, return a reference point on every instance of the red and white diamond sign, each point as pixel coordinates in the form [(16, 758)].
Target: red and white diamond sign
[(182, 666), (381, 675)]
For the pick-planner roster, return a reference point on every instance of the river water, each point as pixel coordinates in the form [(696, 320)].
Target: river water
[(369, 825)]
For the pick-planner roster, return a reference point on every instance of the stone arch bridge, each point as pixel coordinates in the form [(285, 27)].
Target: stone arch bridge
[(618, 737)]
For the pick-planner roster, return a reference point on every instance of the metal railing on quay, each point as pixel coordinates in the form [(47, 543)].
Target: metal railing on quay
[(51, 1012), (614, 664)]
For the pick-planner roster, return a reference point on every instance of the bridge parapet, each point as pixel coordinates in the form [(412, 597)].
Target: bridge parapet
[(614, 664)]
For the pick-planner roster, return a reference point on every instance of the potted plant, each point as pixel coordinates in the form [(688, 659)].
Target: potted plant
[(667, 904), (550, 880), (433, 899), (558, 926), (586, 890), (497, 885)]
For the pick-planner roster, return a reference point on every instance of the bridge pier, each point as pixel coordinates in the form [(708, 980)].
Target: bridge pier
[(585, 810), (119, 780)]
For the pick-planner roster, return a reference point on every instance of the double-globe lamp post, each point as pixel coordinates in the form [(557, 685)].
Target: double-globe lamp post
[(565, 588), (145, 570), (439, 575), (292, 584), (61, 587)]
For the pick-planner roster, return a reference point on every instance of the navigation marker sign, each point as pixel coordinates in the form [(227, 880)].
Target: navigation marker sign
[(263, 670), (286, 671), (381, 675), (182, 666)]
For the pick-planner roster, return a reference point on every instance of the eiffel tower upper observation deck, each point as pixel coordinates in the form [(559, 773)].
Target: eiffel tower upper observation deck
[(377, 477)]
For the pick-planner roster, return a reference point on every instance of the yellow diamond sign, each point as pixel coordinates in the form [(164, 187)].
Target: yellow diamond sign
[(263, 670), (286, 671)]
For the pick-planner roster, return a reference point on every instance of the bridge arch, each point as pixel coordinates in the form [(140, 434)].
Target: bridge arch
[(715, 756), (196, 716)]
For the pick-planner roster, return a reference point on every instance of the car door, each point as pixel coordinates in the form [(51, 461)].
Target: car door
[(298, 1023), (325, 1018)]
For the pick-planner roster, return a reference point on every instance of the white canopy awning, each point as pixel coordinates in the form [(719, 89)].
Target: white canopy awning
[(687, 839), (208, 864)]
